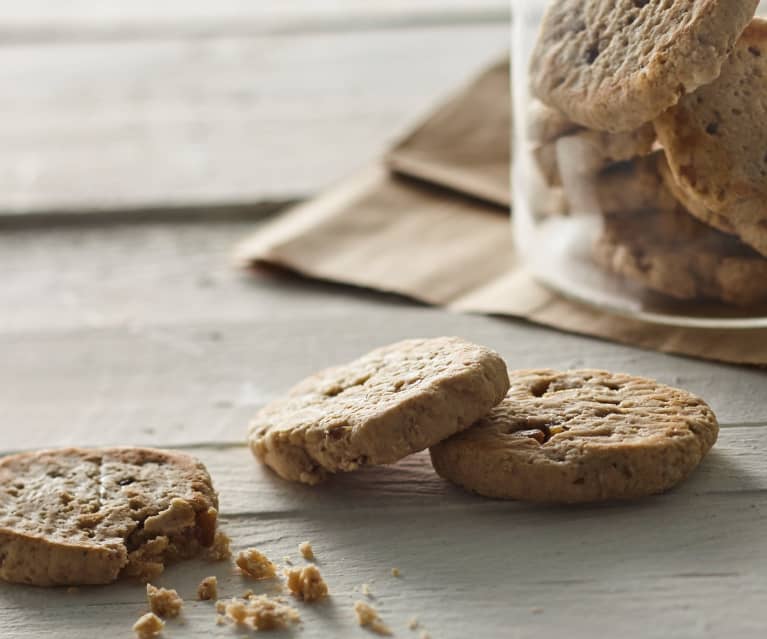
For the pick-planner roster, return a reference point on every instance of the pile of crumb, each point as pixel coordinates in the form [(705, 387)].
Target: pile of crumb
[(259, 611), (220, 549), (148, 626), (307, 583), (163, 601), (208, 589), (305, 548), (255, 564), (367, 616)]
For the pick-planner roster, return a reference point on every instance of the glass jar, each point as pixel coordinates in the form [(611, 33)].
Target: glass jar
[(607, 218)]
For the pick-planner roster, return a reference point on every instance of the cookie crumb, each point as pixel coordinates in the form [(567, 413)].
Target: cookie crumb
[(164, 602), (262, 612), (247, 594), (424, 635), (148, 626), (72, 590), (367, 616), (208, 589), (412, 623), (395, 572), (307, 583), (305, 548), (237, 611), (220, 607), (220, 620), (536, 611), (365, 590), (255, 564), (221, 548)]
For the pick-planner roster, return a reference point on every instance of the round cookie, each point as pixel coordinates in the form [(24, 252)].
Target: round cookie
[(615, 65), (716, 143), (671, 252), (580, 436), (87, 516), (392, 402)]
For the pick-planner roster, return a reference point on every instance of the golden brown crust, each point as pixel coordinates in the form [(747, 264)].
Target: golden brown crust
[(715, 142), (580, 436), (392, 402)]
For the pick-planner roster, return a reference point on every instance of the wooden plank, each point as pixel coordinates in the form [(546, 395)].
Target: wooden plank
[(169, 345), (77, 19), (691, 561), (116, 125)]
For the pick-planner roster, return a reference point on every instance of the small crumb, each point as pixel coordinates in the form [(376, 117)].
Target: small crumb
[(220, 620), (148, 626), (164, 601), (72, 590), (536, 611), (365, 590), (237, 611), (220, 607), (424, 635), (208, 589), (261, 612), (287, 560), (248, 593), (395, 572), (221, 548), (307, 583), (367, 616), (255, 564), (305, 548), (412, 623)]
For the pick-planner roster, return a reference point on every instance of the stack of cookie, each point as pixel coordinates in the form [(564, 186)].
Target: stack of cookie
[(535, 435), (653, 113)]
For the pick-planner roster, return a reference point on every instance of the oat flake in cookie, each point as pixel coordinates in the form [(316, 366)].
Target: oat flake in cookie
[(87, 516), (392, 402), (580, 436), (615, 65)]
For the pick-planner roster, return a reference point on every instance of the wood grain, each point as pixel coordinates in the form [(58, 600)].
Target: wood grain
[(158, 123)]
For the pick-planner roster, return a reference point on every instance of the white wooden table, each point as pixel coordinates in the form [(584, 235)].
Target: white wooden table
[(125, 328)]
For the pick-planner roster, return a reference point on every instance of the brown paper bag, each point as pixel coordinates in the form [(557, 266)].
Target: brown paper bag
[(438, 245)]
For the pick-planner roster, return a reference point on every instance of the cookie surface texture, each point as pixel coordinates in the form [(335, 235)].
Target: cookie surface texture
[(580, 436), (671, 252), (615, 65), (86, 516), (392, 402), (715, 142)]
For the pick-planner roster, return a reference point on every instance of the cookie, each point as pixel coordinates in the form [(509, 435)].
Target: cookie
[(392, 402), (78, 516), (633, 186), (585, 152), (580, 436), (716, 142), (615, 65), (673, 253)]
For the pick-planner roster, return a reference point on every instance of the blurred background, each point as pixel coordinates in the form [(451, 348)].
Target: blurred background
[(109, 106)]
